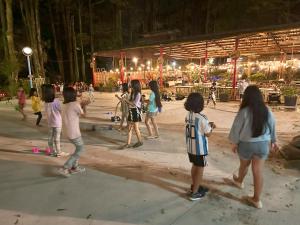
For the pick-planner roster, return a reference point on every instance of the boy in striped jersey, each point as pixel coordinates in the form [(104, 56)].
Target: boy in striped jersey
[(198, 128)]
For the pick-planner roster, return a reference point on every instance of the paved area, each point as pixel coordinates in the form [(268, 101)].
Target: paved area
[(137, 186)]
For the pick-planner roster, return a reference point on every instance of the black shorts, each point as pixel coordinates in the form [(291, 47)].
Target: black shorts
[(198, 160), (134, 115)]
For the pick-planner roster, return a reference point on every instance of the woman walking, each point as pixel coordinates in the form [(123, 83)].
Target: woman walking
[(251, 134), (135, 114), (154, 104)]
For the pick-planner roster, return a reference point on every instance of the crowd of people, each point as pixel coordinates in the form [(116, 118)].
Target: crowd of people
[(252, 134)]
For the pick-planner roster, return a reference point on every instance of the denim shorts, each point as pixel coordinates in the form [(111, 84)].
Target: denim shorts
[(249, 150)]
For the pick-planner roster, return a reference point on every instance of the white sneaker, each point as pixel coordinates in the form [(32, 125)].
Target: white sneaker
[(64, 172), (78, 169)]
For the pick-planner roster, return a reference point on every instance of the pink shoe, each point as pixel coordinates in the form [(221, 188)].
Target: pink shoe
[(48, 151), (35, 150)]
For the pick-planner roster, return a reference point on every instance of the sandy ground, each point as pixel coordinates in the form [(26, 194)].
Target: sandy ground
[(138, 186)]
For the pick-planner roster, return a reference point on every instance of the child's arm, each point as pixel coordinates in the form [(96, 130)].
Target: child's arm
[(118, 97), (208, 128)]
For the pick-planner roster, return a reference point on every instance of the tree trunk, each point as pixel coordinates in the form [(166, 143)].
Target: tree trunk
[(10, 39), (207, 20), (81, 43), (91, 26), (119, 26), (75, 50), (3, 28), (30, 15), (67, 26), (57, 45)]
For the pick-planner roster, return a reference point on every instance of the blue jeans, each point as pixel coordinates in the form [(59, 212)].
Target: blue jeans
[(74, 158), (54, 139)]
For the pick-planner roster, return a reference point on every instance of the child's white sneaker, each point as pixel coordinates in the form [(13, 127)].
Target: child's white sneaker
[(77, 169), (64, 172)]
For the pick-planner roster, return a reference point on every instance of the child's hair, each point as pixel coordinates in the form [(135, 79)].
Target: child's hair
[(136, 88), (32, 90), (214, 83), (125, 87), (154, 87), (48, 93), (69, 94), (194, 103)]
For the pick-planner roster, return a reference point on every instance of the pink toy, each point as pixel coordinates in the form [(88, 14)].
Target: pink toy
[(48, 151), (35, 150)]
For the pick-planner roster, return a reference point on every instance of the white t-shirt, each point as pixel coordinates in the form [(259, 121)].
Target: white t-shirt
[(70, 117)]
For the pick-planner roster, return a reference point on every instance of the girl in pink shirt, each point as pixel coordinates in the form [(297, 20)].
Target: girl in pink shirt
[(21, 101), (53, 113)]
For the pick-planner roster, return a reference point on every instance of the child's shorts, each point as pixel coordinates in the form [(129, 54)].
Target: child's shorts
[(134, 115), (151, 114), (248, 150), (198, 160)]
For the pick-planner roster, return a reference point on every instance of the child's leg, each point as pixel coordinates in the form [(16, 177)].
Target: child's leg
[(51, 139), (130, 127), (73, 160), (38, 120), (122, 121), (56, 134), (243, 169), (257, 170), (147, 122), (21, 110), (155, 126), (137, 131), (197, 175)]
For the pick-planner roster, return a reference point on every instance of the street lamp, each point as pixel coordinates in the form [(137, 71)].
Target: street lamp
[(27, 51)]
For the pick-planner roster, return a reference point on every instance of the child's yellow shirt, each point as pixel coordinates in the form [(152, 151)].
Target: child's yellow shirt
[(36, 103)]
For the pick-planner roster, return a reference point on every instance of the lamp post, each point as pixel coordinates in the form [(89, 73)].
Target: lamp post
[(27, 51)]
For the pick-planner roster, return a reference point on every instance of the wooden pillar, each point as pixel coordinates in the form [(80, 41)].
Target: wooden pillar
[(93, 67), (122, 67), (161, 66), (236, 56), (206, 53)]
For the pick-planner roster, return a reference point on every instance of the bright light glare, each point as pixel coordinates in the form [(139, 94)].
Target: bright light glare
[(27, 51), (135, 60)]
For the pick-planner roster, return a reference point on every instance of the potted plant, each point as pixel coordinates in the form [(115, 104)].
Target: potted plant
[(290, 95), (224, 95)]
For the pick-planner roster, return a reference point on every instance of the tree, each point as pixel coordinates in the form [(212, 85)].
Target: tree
[(30, 15), (9, 66)]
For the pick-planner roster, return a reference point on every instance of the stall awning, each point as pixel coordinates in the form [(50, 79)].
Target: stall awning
[(263, 41)]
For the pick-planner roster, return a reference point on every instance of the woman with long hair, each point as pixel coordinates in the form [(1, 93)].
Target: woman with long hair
[(251, 134), (154, 104), (135, 113)]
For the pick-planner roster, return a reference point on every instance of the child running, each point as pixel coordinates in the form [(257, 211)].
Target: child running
[(197, 130), (212, 93), (21, 102), (91, 93), (53, 112), (124, 105), (154, 104), (135, 114), (71, 113), (36, 105)]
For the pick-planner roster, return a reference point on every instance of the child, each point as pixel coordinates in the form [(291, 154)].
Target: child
[(53, 112), (91, 93), (154, 105), (212, 93), (21, 102), (124, 105), (135, 114), (71, 113), (36, 105), (197, 130)]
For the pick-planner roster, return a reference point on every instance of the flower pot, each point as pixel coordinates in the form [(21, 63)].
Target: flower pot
[(290, 100), (224, 97)]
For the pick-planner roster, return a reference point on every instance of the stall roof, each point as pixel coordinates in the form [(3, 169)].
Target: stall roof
[(263, 41)]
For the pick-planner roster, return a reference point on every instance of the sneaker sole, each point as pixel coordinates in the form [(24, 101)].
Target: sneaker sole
[(75, 172)]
